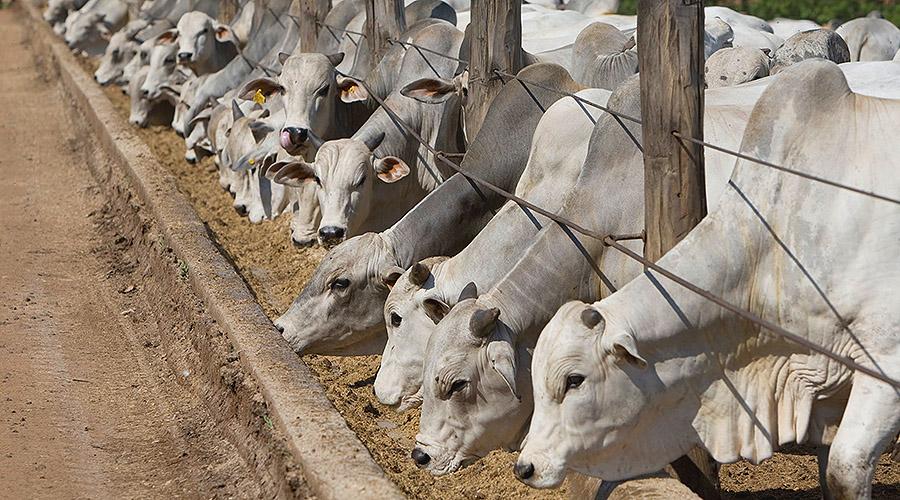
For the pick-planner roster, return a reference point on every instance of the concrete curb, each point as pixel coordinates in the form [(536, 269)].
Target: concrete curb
[(334, 461)]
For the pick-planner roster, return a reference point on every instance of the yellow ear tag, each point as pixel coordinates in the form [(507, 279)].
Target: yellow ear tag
[(259, 98), (251, 161)]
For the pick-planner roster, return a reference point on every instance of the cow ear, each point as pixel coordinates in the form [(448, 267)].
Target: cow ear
[(503, 361), (624, 348), (351, 90), (435, 309), (429, 90), (260, 130), (391, 169), (283, 57), (470, 291), (225, 34), (390, 275), (167, 37), (335, 58), (291, 173), (265, 86)]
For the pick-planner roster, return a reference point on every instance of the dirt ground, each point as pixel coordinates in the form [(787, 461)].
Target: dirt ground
[(276, 272), (104, 391)]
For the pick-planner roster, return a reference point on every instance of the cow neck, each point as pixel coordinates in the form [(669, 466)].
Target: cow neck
[(443, 223), (738, 376), (550, 272)]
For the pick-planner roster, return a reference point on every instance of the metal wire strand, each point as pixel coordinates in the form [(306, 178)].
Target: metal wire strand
[(780, 168)]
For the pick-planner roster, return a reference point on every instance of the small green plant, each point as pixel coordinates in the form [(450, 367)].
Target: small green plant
[(268, 422), (182, 269)]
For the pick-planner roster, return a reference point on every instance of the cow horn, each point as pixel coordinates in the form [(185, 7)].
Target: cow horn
[(236, 112), (470, 291), (418, 274), (591, 317), (482, 321)]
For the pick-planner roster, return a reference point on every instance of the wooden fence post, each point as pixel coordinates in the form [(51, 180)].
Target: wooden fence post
[(311, 11), (384, 19), (671, 58), (496, 43)]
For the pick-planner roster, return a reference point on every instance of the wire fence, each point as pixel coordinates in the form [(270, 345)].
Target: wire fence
[(612, 241)]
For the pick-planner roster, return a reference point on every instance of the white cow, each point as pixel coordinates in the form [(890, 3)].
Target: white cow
[(632, 382), (870, 39)]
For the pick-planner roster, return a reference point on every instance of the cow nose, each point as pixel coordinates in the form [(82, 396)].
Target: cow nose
[(145, 93), (297, 135), (184, 56), (524, 471), (331, 233), (241, 210), (420, 457)]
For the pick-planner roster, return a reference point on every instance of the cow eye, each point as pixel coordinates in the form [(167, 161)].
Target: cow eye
[(339, 284), (360, 182), (456, 387), (395, 319), (323, 90), (170, 60), (573, 381), (115, 53)]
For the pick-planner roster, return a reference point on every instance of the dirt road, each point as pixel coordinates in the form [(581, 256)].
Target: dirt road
[(88, 407)]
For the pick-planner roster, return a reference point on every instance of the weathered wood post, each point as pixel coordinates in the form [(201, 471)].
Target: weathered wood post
[(384, 19), (671, 58), (311, 13), (496, 43)]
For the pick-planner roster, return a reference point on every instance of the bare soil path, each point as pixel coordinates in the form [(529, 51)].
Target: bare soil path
[(87, 407)]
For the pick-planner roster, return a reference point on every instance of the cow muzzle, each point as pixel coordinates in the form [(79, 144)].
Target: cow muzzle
[(184, 57), (293, 138), (331, 235)]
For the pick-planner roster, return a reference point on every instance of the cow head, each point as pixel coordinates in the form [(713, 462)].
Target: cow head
[(339, 311), (410, 315), (197, 37), (345, 171), (305, 215), (308, 87), (597, 409), (140, 60), (119, 52), (89, 33), (243, 137), (475, 399), (162, 65)]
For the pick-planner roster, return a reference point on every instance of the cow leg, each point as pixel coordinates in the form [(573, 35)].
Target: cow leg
[(822, 459), (869, 425)]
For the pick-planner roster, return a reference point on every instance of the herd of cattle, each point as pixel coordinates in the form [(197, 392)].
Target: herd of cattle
[(487, 315)]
